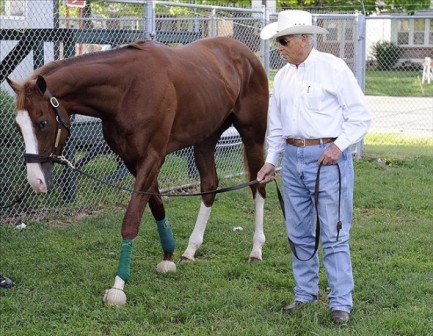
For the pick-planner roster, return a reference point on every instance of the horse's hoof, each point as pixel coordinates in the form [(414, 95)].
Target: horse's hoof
[(186, 259), (114, 297), (165, 266), (253, 259)]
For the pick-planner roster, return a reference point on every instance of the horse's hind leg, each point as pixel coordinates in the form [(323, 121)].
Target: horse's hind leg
[(165, 234), (259, 234), (254, 156), (205, 161), (196, 238)]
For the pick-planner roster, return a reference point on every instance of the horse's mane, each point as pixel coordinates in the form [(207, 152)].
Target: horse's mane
[(142, 44)]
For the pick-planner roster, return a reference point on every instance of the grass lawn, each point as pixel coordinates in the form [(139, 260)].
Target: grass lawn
[(390, 83), (61, 267), (396, 83)]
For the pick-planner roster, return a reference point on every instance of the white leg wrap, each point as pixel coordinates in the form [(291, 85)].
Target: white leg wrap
[(259, 235), (165, 266), (196, 238), (115, 296)]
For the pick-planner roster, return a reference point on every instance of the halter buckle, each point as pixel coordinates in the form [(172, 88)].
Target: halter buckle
[(62, 160), (54, 102)]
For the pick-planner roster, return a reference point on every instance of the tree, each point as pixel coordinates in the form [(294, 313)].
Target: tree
[(369, 6), (407, 6), (329, 5)]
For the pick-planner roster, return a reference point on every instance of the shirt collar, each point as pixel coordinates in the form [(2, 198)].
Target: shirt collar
[(310, 59)]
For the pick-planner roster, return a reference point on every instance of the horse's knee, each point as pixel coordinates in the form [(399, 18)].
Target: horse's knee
[(157, 207)]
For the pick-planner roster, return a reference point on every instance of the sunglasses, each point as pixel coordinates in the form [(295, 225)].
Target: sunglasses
[(282, 41)]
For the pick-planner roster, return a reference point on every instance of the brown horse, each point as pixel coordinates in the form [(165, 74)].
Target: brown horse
[(152, 100)]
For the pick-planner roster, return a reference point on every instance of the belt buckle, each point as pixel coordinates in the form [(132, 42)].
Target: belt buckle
[(304, 142)]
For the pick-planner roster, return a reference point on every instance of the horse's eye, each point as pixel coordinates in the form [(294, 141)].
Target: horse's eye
[(43, 124)]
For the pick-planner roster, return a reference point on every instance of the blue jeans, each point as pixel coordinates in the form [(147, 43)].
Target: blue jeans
[(299, 172)]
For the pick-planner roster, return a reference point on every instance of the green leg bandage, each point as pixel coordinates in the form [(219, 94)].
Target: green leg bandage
[(124, 267), (166, 236)]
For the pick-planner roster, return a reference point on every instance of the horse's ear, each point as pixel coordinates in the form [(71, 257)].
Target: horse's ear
[(41, 84), (13, 84)]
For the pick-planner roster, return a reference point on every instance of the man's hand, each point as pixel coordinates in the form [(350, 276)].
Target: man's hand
[(330, 156), (266, 173)]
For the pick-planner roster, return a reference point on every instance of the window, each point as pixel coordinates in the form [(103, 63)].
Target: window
[(349, 34), (332, 31), (13, 7), (403, 32), (419, 30), (430, 40), (415, 32)]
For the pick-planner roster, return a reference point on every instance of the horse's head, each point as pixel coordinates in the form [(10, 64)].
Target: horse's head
[(44, 127)]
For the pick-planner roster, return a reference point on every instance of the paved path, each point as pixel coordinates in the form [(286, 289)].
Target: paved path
[(402, 114)]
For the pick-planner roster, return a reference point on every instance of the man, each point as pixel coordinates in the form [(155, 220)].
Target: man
[(317, 111)]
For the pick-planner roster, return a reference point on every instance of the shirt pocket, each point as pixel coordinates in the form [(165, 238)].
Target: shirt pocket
[(313, 97)]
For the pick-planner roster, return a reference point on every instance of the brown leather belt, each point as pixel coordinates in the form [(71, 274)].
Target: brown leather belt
[(308, 142)]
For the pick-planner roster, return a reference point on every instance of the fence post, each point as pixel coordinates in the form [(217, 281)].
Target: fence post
[(213, 24), (149, 20), (264, 44), (360, 57)]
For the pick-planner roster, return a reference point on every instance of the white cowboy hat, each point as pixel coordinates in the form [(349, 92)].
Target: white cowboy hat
[(291, 22)]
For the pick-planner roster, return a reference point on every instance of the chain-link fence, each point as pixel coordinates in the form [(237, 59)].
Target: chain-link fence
[(36, 32), (399, 49), (33, 33)]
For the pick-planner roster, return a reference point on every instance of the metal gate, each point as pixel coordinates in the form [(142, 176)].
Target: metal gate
[(61, 35), (39, 33)]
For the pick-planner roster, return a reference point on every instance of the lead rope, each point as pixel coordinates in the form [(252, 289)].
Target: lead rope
[(316, 205), (18, 200), (33, 158)]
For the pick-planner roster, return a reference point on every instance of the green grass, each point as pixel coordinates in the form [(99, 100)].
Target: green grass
[(399, 141), (61, 267), (396, 83), (389, 83)]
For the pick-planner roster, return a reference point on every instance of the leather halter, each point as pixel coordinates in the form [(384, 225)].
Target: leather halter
[(61, 124)]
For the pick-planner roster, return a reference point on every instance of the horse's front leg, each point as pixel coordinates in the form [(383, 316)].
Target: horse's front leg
[(130, 226)]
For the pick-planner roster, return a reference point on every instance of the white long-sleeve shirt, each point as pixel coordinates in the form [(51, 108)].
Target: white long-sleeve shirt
[(318, 99)]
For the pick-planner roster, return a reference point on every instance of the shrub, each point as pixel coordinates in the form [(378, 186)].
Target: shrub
[(11, 150), (8, 133), (386, 53)]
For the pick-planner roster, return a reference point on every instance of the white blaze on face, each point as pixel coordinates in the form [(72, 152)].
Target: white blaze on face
[(35, 176)]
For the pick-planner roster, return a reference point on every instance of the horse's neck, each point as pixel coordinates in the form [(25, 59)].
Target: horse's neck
[(83, 94)]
